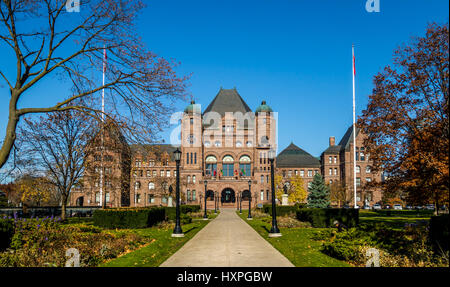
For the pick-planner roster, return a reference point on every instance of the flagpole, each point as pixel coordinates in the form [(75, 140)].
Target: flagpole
[(354, 127), (102, 202)]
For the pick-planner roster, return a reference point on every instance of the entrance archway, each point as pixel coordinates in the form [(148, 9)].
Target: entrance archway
[(228, 196), (246, 195), (80, 201), (210, 195)]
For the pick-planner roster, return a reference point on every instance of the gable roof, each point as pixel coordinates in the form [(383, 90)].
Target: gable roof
[(293, 156), (227, 100), (348, 138), (333, 149), (157, 149)]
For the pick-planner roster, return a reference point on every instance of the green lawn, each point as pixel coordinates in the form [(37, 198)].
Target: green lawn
[(397, 220), (296, 244), (160, 249)]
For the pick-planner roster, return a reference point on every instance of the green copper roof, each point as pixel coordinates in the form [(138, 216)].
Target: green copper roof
[(263, 108), (192, 108)]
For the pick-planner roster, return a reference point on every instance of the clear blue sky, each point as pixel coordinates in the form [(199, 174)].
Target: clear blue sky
[(294, 54)]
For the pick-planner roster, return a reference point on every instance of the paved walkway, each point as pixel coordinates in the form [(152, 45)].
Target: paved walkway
[(227, 241)]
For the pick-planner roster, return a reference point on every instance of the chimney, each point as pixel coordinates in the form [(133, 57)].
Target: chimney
[(332, 141)]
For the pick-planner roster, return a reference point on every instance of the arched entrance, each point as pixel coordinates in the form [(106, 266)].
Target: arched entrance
[(80, 201), (228, 196), (210, 195), (246, 195)]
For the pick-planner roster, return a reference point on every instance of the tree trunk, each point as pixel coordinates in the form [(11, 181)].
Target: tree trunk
[(10, 136)]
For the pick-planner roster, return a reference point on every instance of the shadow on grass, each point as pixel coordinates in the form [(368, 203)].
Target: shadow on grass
[(190, 229)]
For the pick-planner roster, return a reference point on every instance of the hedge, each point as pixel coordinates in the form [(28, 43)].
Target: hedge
[(129, 218), (184, 209), (325, 217), (281, 209), (6, 233), (439, 232)]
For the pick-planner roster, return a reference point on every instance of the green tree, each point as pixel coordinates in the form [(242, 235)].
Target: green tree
[(318, 193)]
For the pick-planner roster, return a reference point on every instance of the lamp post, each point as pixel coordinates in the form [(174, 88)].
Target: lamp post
[(274, 231), (215, 202), (240, 202), (177, 232), (250, 200), (205, 216)]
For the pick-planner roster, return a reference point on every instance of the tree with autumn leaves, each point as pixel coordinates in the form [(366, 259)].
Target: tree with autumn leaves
[(407, 120), (294, 187)]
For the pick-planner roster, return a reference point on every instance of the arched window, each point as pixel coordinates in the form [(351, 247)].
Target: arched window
[(228, 158), (137, 185), (368, 170), (228, 165), (211, 165), (245, 159), (358, 169), (238, 143), (249, 143), (151, 185), (245, 166)]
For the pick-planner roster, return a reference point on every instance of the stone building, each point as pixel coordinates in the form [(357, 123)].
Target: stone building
[(225, 154)]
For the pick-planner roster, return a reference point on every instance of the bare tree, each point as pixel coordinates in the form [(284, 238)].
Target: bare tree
[(49, 42), (57, 143)]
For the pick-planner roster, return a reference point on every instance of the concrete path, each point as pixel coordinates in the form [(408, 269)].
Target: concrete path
[(227, 241)]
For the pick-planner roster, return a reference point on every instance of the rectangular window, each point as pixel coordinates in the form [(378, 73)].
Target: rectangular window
[(188, 179), (148, 173), (168, 173), (262, 195), (267, 178), (188, 195), (193, 195), (316, 172), (310, 173), (361, 155), (174, 173), (244, 169), (290, 173), (335, 159), (138, 198), (228, 169), (335, 171), (302, 173), (154, 173), (330, 159), (358, 182), (296, 172), (357, 156), (141, 173), (195, 158), (267, 194), (191, 158), (193, 179), (331, 171), (151, 198), (262, 178), (97, 197), (161, 173), (211, 169), (187, 158)]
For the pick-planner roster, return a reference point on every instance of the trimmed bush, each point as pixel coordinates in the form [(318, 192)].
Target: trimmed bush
[(171, 212), (128, 218), (439, 236), (281, 209), (6, 233), (324, 217)]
